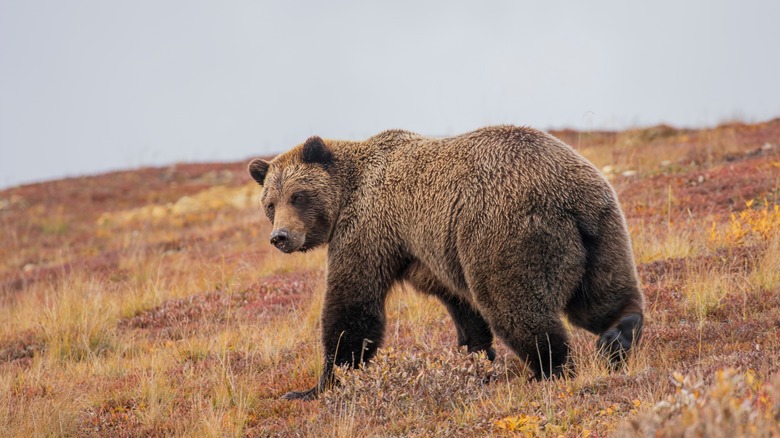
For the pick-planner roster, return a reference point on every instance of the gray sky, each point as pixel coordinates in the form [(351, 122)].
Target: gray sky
[(91, 86)]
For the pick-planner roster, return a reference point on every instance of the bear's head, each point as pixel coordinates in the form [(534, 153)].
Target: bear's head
[(299, 196)]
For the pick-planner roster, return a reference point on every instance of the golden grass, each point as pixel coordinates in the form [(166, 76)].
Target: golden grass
[(652, 242), (704, 290), (766, 273)]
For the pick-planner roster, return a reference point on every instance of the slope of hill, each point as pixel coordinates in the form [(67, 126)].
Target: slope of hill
[(149, 302)]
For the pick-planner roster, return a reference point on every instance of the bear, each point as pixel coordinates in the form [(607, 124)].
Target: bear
[(508, 226)]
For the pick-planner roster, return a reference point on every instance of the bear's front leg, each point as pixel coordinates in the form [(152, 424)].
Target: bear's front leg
[(351, 334), (353, 320)]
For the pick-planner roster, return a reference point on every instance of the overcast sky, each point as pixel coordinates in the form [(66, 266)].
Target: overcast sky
[(91, 86)]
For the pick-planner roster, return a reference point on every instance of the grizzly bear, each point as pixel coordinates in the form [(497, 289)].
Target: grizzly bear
[(508, 226)]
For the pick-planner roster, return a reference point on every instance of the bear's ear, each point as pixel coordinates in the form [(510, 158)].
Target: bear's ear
[(258, 168), (315, 151)]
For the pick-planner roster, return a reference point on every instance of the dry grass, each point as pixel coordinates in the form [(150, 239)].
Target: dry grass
[(119, 322)]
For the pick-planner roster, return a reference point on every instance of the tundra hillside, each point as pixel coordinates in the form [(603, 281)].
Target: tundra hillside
[(150, 303)]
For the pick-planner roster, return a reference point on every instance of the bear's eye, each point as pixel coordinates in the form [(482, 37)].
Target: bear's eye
[(297, 198), (270, 208)]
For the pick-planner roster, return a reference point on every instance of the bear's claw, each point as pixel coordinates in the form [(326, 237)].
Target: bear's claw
[(302, 395)]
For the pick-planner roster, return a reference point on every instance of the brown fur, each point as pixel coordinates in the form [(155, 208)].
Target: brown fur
[(508, 226)]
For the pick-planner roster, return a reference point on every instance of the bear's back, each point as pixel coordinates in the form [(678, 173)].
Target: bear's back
[(501, 164)]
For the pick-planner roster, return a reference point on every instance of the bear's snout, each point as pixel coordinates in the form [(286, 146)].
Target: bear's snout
[(280, 238), (284, 240)]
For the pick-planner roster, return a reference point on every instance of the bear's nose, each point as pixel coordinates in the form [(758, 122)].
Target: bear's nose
[(279, 238)]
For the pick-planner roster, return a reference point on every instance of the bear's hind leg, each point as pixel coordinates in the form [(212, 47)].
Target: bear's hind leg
[(608, 301)]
